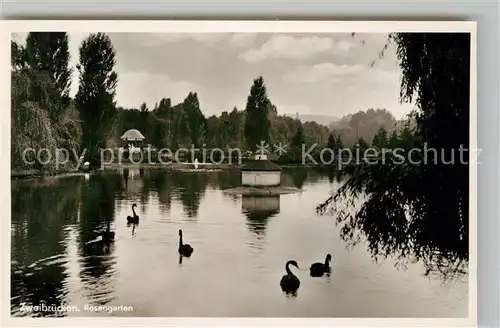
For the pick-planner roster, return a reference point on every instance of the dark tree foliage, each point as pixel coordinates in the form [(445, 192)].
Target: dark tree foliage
[(48, 52), (17, 55), (257, 125), (362, 144), (162, 123), (330, 156), (412, 210), (97, 89), (41, 116), (45, 58), (380, 140), (298, 138), (331, 142), (144, 121), (195, 119), (338, 142)]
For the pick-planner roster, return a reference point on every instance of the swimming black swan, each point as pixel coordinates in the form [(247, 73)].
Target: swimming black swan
[(290, 283), (184, 249), (135, 218), (318, 269), (108, 235)]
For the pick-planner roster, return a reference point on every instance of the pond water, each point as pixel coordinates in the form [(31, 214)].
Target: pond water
[(240, 249)]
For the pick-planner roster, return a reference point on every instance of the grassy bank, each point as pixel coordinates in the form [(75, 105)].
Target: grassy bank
[(33, 173), (17, 174)]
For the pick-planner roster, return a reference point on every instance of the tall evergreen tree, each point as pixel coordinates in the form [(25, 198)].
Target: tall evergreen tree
[(257, 124), (298, 138), (165, 105), (195, 118), (362, 144), (393, 140), (338, 143), (97, 89), (144, 123), (380, 139), (331, 142)]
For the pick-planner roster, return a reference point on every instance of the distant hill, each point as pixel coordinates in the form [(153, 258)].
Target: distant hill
[(320, 119), (363, 124)]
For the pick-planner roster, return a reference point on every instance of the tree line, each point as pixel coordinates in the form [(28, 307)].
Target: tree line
[(184, 124), (45, 116)]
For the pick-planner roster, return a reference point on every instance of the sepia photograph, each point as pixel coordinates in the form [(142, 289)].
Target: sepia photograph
[(323, 173)]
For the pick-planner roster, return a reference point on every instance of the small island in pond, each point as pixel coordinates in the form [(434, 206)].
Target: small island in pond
[(261, 177)]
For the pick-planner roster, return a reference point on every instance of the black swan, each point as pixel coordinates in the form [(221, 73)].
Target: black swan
[(290, 283), (108, 235), (135, 218), (184, 249), (318, 269)]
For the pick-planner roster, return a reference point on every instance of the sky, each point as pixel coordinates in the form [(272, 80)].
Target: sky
[(314, 74)]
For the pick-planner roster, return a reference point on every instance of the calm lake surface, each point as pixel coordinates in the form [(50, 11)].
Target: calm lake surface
[(240, 250)]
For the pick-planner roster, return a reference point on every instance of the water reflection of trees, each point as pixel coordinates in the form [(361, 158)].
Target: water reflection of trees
[(96, 260), (40, 211), (164, 189), (130, 185), (187, 187), (419, 212), (191, 189), (147, 186), (334, 174), (298, 176), (225, 179), (294, 177)]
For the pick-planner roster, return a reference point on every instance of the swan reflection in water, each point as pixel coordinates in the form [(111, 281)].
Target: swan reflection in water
[(133, 227)]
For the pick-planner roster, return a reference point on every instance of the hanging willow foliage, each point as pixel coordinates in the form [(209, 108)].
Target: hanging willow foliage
[(418, 212), (33, 96)]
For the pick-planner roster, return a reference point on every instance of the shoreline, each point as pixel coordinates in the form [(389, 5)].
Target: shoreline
[(35, 174), (171, 166), (17, 174)]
